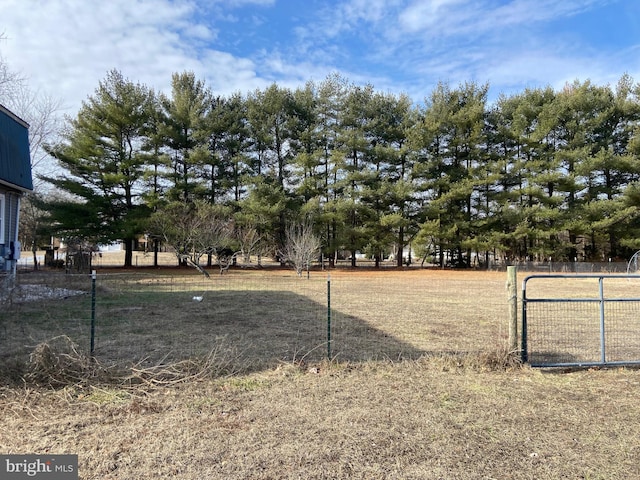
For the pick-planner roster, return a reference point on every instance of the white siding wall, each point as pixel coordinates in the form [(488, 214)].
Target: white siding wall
[(9, 218)]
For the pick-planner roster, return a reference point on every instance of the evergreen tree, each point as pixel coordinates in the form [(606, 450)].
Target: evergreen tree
[(306, 144), (451, 142), (330, 103), (234, 145), (263, 210), (539, 174), (608, 168), (185, 112), (102, 155), (269, 115), (528, 177), (353, 171)]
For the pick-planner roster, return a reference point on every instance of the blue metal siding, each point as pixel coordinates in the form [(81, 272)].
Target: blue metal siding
[(4, 234), (4, 215), (15, 161)]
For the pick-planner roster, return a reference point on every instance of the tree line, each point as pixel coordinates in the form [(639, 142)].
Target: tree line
[(536, 175)]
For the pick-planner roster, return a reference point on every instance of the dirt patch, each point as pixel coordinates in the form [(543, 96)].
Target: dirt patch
[(32, 293)]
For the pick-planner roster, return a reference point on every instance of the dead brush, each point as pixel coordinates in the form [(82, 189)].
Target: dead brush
[(59, 362), (217, 363), (500, 358), (497, 359)]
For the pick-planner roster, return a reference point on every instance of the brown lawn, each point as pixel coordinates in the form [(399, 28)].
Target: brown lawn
[(238, 386)]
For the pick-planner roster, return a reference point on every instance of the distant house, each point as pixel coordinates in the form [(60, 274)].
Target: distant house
[(15, 181)]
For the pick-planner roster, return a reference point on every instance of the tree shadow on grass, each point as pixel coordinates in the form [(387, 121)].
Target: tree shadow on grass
[(246, 329)]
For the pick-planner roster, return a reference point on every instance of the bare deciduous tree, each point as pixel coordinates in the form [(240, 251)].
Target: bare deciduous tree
[(194, 230), (31, 223), (249, 241), (41, 112), (301, 246), (38, 109)]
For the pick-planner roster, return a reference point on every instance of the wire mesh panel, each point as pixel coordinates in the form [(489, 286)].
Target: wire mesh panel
[(256, 318), (580, 320), (50, 308), (563, 332), (622, 328)]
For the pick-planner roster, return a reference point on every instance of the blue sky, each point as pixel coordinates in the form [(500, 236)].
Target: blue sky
[(65, 47)]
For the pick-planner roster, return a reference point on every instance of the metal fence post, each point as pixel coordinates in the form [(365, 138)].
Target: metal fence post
[(603, 346), (329, 317), (512, 298), (93, 311), (524, 349)]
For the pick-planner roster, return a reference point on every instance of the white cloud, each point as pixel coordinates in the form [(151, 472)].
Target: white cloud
[(420, 15), (226, 74), (508, 43), (67, 46), (371, 11), (447, 18), (240, 3)]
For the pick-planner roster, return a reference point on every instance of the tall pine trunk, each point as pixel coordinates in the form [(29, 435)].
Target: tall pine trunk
[(128, 252), (400, 247)]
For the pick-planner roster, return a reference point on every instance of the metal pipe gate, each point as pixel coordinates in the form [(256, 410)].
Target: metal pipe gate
[(574, 321)]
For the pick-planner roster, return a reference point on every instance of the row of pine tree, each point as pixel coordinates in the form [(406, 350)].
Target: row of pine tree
[(541, 174)]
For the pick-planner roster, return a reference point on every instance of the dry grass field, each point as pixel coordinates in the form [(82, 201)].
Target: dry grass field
[(237, 386)]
